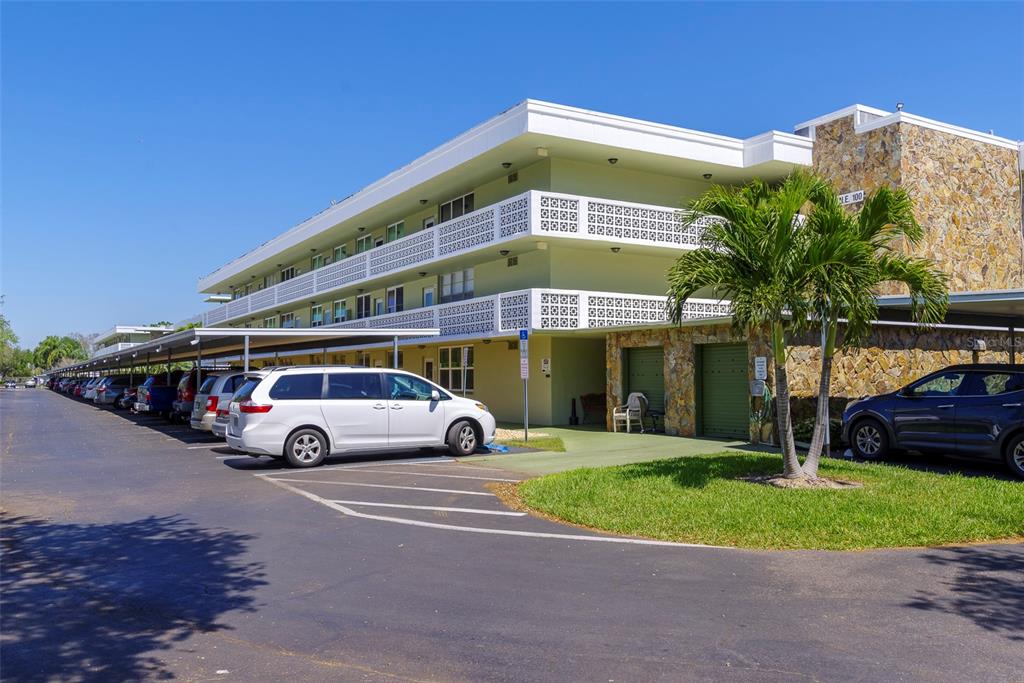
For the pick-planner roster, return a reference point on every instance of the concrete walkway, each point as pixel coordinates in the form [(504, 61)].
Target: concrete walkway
[(589, 447)]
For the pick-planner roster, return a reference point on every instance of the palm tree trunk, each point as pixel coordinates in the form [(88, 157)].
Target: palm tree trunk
[(790, 463), (821, 418)]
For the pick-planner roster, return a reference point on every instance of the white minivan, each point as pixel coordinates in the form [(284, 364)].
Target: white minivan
[(304, 414)]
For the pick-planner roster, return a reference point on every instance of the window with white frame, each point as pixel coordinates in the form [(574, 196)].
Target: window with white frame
[(396, 299), (456, 371), (318, 261), (268, 280), (391, 359), (378, 306), (270, 322), (363, 306), (363, 359), (457, 286), (364, 243), (340, 252), (287, 320), (395, 231), (340, 311), (288, 273), (455, 207), (316, 316), (428, 296)]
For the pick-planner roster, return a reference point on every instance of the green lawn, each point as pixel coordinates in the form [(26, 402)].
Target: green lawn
[(699, 499)]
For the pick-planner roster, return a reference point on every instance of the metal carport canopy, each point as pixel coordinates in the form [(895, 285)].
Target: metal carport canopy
[(217, 342)]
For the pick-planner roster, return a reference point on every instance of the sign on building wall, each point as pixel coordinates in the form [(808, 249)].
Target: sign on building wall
[(851, 197), (760, 367)]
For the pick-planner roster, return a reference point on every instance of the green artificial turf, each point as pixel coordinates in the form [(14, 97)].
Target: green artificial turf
[(551, 444), (700, 499)]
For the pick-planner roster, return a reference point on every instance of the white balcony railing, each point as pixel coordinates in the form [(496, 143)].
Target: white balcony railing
[(533, 213), (112, 348), (539, 310)]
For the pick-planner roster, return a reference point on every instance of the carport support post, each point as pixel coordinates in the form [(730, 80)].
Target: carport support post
[(394, 353), (1013, 345), (168, 367), (246, 353), (199, 365)]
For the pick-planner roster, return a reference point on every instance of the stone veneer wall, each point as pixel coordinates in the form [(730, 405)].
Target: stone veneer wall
[(967, 194), (679, 344), (892, 357)]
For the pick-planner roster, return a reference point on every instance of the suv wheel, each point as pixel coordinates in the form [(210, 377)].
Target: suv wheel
[(462, 438), (869, 440), (305, 448), (1015, 455)]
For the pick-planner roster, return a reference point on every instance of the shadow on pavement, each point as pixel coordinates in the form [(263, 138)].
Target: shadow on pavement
[(92, 602), (986, 589)]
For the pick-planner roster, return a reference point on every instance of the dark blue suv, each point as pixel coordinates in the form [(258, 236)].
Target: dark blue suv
[(971, 411)]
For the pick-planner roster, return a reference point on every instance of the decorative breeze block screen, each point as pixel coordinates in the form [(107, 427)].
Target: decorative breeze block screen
[(466, 232), (295, 288), (340, 273), (402, 253), (622, 221), (559, 311), (466, 318), (515, 311), (559, 214), (514, 216)]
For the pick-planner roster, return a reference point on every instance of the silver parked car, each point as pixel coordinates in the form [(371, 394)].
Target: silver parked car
[(214, 394), (109, 390), (304, 414)]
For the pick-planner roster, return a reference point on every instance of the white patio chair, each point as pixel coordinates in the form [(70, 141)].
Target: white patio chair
[(634, 410)]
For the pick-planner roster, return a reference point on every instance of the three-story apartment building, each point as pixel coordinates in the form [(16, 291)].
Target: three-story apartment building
[(548, 218), (563, 221)]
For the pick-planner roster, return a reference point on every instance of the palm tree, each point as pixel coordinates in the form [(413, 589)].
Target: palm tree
[(757, 256), (852, 255)]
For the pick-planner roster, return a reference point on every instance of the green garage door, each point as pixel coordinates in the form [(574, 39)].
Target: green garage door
[(646, 374), (724, 404)]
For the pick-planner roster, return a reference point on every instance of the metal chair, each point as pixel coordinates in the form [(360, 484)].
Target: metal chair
[(635, 409)]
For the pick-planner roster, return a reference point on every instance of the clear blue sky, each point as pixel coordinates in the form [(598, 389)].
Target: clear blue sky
[(146, 144)]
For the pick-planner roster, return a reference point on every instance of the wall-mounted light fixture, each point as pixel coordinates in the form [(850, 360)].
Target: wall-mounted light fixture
[(423, 201), (422, 273), (486, 341), (503, 252), (506, 164), (707, 176), (613, 160), (542, 151), (362, 228), (616, 250)]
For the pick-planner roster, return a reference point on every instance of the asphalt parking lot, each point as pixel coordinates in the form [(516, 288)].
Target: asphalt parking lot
[(135, 550)]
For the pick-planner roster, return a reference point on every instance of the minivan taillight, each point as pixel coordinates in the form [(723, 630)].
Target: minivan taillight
[(223, 412), (188, 395), (211, 404), (250, 407)]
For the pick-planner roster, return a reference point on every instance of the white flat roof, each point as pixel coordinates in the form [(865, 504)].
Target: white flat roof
[(131, 329), (214, 342)]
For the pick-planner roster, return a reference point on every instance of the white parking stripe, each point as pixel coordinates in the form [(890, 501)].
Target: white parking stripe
[(477, 530), (329, 468), (459, 463), (388, 486), (446, 476), (192, 448), (429, 507)]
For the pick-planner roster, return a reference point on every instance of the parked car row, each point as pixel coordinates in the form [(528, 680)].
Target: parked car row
[(302, 414)]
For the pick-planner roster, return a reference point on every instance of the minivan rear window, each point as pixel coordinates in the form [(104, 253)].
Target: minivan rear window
[(245, 391), (208, 385), (298, 387)]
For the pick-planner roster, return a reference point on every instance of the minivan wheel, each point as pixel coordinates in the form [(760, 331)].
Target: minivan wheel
[(305, 448), (1015, 455), (462, 438), (869, 440)]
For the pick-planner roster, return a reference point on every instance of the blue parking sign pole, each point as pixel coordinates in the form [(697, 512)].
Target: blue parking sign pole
[(524, 373)]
